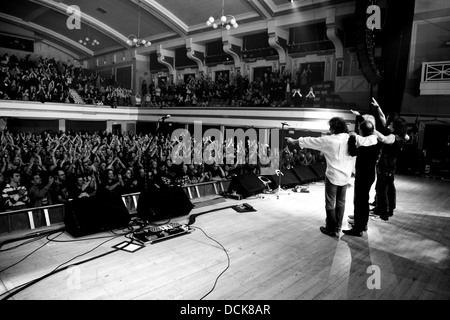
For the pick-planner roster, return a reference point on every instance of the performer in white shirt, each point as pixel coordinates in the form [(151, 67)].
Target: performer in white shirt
[(340, 165)]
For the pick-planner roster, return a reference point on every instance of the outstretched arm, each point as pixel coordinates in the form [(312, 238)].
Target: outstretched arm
[(316, 143), (390, 139), (380, 112), (359, 117)]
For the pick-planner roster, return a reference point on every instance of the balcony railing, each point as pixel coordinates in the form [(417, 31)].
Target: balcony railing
[(435, 78)]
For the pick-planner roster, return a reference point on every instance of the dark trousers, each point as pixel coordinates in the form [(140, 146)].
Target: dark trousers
[(363, 183), (334, 205), (386, 194)]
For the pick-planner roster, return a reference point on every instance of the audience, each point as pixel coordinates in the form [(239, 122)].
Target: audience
[(48, 80), (52, 168)]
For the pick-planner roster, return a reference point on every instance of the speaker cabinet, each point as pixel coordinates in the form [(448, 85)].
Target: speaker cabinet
[(286, 180), (304, 174), (246, 185), (105, 211), (157, 204), (319, 169)]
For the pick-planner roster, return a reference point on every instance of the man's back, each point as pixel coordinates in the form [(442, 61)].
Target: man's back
[(335, 150)]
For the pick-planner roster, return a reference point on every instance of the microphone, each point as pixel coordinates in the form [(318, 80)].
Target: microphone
[(285, 124)]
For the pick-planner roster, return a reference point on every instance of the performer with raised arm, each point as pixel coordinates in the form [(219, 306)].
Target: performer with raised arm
[(340, 164)]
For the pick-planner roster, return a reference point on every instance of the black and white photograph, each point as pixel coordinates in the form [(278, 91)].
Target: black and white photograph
[(227, 157)]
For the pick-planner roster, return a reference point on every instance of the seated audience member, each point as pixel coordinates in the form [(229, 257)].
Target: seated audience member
[(39, 192), (153, 169), (183, 178), (141, 180), (202, 175), (163, 178), (288, 161), (296, 157), (112, 183), (85, 186), (172, 169), (192, 173), (216, 172), (15, 195), (59, 192), (130, 183), (230, 170)]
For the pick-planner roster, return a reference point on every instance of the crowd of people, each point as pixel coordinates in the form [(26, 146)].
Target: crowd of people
[(50, 168), (272, 89), (48, 80)]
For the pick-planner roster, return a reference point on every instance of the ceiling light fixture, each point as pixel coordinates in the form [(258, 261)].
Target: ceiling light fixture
[(136, 41), (89, 40), (226, 21)]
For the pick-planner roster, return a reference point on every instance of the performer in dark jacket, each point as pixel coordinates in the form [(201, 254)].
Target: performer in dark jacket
[(366, 160), (385, 189)]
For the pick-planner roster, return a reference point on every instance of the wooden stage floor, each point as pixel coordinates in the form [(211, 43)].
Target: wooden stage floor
[(274, 253)]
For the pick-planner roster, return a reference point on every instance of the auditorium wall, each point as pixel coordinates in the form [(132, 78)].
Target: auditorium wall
[(428, 33), (41, 49)]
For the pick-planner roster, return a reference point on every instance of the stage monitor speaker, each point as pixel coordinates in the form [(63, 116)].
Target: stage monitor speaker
[(157, 204), (304, 174), (286, 180), (319, 169), (246, 185), (105, 211)]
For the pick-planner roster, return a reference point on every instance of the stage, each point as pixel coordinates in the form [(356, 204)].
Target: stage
[(274, 253)]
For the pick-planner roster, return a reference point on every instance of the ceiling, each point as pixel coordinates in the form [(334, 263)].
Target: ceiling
[(111, 21)]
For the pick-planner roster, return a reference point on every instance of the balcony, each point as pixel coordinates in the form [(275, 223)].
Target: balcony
[(435, 78)]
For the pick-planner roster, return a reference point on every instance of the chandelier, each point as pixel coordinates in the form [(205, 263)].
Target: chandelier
[(226, 21), (136, 41), (89, 40)]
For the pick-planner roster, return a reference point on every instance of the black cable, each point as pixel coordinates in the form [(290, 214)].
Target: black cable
[(80, 239), (159, 224), (27, 255), (56, 270), (129, 228), (28, 236), (36, 238), (228, 262), (192, 217)]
